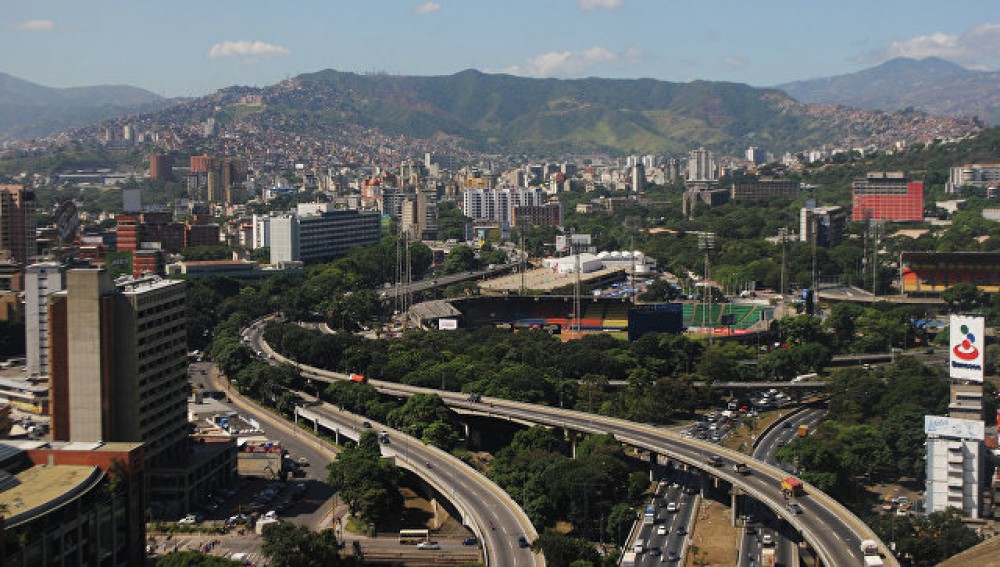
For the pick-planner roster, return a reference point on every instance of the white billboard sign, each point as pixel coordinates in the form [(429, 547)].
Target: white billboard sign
[(939, 426), (965, 357), (447, 324), (560, 243)]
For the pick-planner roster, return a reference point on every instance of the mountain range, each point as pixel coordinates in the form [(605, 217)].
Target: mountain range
[(29, 110), (930, 85), (505, 113)]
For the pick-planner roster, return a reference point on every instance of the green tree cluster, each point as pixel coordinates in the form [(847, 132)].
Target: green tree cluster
[(366, 482), (873, 431), (536, 471), (288, 545)]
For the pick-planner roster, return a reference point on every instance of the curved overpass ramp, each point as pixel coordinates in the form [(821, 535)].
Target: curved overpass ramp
[(832, 530)]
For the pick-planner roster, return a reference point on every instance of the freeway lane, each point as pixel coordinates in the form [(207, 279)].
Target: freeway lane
[(780, 435), (833, 531)]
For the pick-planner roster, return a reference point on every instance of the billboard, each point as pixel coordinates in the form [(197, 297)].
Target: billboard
[(939, 426), (447, 324), (965, 357)]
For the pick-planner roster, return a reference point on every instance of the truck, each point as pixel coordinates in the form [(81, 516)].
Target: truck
[(767, 557), (649, 516), (628, 559), (359, 378), (791, 486), (872, 558), (802, 431), (741, 468), (869, 547)]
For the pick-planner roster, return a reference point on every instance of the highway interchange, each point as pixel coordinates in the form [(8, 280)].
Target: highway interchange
[(832, 531)]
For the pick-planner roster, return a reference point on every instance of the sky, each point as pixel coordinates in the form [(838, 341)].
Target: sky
[(193, 47)]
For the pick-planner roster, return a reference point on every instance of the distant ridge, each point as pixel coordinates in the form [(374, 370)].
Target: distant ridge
[(931, 85), (30, 110), (510, 114)]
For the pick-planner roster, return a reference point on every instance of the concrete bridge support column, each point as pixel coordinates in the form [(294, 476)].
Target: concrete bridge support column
[(735, 506), (654, 465)]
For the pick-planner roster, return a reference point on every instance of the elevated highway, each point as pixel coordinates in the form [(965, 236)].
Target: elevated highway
[(829, 528)]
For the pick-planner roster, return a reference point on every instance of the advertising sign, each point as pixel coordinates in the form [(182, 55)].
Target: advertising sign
[(447, 324), (965, 357), (939, 426), (560, 243)]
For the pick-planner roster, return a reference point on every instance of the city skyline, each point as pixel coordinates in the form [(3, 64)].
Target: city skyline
[(191, 48)]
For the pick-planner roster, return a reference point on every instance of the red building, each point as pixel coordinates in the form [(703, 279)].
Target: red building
[(887, 195)]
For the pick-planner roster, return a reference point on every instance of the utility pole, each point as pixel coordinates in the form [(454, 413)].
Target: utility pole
[(706, 241), (783, 234)]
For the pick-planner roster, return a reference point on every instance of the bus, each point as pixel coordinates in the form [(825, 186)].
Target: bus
[(413, 537)]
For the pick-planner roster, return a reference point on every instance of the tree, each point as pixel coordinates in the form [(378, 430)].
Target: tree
[(368, 484), (963, 297), (288, 545), (460, 259), (562, 551)]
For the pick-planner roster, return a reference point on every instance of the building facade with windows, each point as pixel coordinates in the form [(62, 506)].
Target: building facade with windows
[(887, 196), (498, 204), (321, 236)]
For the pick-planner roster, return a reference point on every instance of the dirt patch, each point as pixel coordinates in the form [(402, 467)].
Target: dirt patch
[(714, 541), (741, 439)]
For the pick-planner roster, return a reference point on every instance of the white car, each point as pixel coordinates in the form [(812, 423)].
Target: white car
[(428, 545), (767, 539), (188, 520), (672, 507), (662, 530)]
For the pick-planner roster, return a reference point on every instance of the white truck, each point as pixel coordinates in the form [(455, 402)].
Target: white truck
[(628, 559), (872, 558)]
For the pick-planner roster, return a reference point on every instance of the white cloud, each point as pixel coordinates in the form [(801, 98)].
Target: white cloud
[(244, 48), (591, 5), (735, 62), (572, 63), (426, 8), (35, 25), (978, 47)]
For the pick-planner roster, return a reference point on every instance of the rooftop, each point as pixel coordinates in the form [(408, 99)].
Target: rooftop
[(40, 488)]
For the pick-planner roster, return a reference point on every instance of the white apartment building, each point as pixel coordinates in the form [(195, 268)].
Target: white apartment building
[(498, 204)]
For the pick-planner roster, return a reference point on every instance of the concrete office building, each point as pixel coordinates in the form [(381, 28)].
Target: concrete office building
[(824, 225), (979, 175), (321, 236), (119, 363), (887, 195), (40, 281), (17, 224)]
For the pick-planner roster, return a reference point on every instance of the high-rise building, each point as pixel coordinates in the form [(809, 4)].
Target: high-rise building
[(17, 224), (118, 363), (638, 179), (701, 166), (756, 156), (824, 225), (161, 166), (40, 281), (498, 204), (887, 195)]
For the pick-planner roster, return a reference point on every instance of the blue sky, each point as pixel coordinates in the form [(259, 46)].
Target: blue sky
[(192, 47)]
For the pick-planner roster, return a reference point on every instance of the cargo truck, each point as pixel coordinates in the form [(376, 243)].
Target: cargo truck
[(741, 468), (803, 430), (359, 378), (628, 559), (872, 558), (767, 557), (792, 486)]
